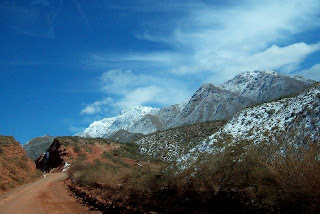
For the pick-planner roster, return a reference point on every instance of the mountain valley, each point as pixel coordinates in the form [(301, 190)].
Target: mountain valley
[(249, 145)]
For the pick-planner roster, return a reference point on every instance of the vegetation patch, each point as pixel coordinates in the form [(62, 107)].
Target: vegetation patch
[(240, 178)]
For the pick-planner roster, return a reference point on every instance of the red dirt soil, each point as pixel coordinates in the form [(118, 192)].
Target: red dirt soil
[(48, 195), (15, 167)]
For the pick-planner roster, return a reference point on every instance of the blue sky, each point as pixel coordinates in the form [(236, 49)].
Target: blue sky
[(64, 64)]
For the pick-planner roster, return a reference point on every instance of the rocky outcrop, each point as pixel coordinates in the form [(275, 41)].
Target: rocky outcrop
[(52, 157), (263, 86), (64, 151), (37, 146)]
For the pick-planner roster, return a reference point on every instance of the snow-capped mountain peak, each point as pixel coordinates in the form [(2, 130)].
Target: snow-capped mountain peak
[(209, 102), (125, 120), (262, 86), (138, 110)]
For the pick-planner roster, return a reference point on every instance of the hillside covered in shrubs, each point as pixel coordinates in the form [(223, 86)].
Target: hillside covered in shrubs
[(238, 173), (15, 166)]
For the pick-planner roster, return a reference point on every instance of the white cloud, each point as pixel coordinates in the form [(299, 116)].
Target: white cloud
[(211, 44), (141, 95), (246, 36), (121, 82), (286, 59), (75, 129), (97, 106), (311, 73), (136, 89)]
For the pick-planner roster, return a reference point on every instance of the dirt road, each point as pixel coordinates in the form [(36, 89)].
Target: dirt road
[(48, 195)]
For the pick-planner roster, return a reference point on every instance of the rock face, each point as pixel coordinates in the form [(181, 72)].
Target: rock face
[(208, 103), (37, 146), (52, 157), (262, 86), (168, 115), (15, 166)]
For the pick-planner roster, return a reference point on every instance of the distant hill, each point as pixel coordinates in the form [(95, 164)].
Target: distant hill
[(73, 150), (125, 136), (37, 146)]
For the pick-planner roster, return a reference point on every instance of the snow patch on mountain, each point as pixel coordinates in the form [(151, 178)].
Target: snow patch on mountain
[(125, 120), (262, 86), (209, 102), (296, 119)]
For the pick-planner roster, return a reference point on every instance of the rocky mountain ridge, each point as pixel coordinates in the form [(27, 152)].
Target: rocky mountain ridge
[(208, 103), (262, 86), (292, 121)]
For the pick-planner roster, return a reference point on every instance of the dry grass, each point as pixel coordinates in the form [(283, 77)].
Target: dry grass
[(245, 177), (262, 178)]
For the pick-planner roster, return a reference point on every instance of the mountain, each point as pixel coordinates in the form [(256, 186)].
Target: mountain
[(292, 121), (262, 86), (168, 114), (37, 146), (15, 166), (209, 102), (129, 119), (295, 119)]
